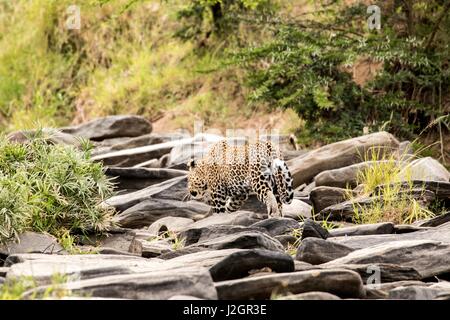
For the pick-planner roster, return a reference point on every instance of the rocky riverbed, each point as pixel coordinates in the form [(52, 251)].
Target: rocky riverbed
[(167, 248)]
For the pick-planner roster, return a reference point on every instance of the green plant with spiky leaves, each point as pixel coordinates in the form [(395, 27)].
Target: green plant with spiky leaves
[(50, 188)]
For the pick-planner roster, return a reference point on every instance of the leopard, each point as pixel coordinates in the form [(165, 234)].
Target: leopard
[(228, 173)]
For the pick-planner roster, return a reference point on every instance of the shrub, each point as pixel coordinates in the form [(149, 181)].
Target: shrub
[(50, 188), (310, 64)]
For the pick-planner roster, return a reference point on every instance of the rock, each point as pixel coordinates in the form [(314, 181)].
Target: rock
[(278, 226), (118, 241), (427, 169), (239, 218), (50, 135), (3, 271), (32, 242), (436, 221), (318, 251), (387, 272), (184, 252), (238, 264), (429, 258), (297, 210), (206, 258), (148, 211), (364, 229), (242, 240), (133, 179), (286, 240), (342, 283), (171, 224), (117, 144), (173, 189), (157, 285), (346, 176), (151, 248), (338, 155), (314, 230), (381, 290), (111, 127), (195, 149), (407, 228), (346, 210), (195, 235), (440, 189), (314, 295), (440, 233), (419, 292), (42, 267), (135, 156), (322, 197)]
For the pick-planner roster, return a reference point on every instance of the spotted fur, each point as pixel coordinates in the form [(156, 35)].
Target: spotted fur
[(228, 173)]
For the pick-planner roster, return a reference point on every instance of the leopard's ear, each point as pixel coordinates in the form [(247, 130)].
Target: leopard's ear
[(191, 164)]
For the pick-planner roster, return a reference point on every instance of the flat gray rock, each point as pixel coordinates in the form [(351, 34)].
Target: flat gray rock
[(238, 264), (156, 285), (111, 127), (322, 197), (318, 251), (343, 283), (364, 229), (429, 258), (440, 233), (32, 242), (346, 176), (337, 155), (242, 240), (133, 179), (278, 226), (148, 211)]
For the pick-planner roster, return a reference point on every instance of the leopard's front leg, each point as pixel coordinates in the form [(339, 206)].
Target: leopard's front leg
[(261, 184)]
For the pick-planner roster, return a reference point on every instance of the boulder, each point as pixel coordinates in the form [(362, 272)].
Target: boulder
[(343, 283), (346, 176), (156, 285), (148, 211), (318, 251), (314, 230), (240, 218), (419, 292), (111, 127), (171, 224), (242, 240), (135, 156), (278, 226), (364, 229), (440, 233), (298, 210), (238, 264), (133, 179), (31, 242), (323, 197), (429, 258), (436, 221), (195, 235), (117, 144), (172, 189), (427, 169), (338, 155)]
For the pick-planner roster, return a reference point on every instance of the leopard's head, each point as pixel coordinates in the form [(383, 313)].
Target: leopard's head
[(197, 185)]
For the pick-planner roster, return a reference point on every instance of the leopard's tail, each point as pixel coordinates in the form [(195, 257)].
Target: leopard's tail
[(282, 181)]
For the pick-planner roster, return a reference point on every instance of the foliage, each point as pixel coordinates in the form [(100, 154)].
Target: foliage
[(306, 67), (385, 182), (221, 18), (50, 188)]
